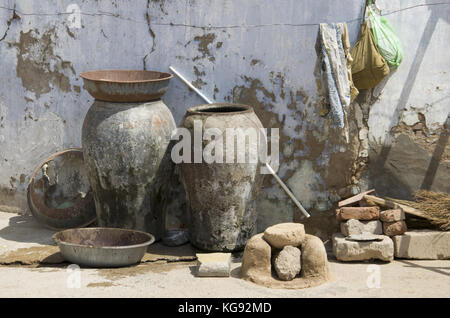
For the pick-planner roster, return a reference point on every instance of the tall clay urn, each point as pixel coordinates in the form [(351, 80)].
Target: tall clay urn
[(221, 194), (125, 137)]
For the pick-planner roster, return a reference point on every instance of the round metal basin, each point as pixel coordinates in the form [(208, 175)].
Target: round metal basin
[(126, 85), (103, 247), (59, 194)]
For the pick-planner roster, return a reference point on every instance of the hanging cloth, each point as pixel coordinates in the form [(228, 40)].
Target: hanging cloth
[(368, 67), (347, 48), (332, 73)]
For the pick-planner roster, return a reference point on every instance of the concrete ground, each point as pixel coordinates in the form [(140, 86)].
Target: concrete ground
[(401, 278)]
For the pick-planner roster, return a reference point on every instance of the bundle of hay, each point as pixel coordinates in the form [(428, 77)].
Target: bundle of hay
[(436, 205)]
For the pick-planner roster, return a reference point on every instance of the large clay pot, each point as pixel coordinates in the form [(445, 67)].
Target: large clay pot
[(221, 196), (125, 149)]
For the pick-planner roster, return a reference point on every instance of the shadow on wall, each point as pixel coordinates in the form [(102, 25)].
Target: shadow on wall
[(385, 159), (436, 157)]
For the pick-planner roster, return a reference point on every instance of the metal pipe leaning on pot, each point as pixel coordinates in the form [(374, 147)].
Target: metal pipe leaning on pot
[(271, 170)]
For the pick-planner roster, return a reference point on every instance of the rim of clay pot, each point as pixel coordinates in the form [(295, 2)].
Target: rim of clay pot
[(220, 109), (113, 76)]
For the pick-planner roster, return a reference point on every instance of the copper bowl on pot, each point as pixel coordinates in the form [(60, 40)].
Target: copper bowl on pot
[(126, 85)]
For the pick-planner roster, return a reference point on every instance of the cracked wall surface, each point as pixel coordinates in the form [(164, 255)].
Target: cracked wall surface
[(255, 52)]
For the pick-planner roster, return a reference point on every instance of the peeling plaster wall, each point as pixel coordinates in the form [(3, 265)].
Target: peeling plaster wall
[(409, 114), (257, 52)]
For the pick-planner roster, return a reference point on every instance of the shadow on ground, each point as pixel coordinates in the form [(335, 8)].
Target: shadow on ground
[(25, 229), (438, 270)]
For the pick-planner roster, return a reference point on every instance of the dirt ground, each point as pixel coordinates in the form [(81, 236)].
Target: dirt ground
[(30, 273)]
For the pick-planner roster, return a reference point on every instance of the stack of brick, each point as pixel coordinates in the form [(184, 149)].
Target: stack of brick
[(361, 239), (393, 222), (361, 236)]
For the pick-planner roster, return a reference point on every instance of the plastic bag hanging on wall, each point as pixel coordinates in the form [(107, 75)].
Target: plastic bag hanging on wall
[(385, 39)]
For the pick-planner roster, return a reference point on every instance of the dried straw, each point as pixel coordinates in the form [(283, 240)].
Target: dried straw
[(434, 204)]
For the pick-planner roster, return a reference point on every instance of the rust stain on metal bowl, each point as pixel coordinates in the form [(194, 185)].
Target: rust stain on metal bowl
[(47, 201), (126, 85)]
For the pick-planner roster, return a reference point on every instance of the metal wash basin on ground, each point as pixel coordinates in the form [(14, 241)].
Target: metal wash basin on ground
[(103, 247)]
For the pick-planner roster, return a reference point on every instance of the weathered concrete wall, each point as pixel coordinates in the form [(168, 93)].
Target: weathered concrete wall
[(408, 134), (257, 52)]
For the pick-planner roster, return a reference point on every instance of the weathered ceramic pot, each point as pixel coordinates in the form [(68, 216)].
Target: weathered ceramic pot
[(124, 145), (221, 195)]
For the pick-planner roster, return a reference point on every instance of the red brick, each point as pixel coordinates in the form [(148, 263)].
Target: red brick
[(392, 215), (394, 228), (360, 213)]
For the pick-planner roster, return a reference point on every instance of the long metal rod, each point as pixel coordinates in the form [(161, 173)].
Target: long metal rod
[(282, 184), (206, 99), (286, 189)]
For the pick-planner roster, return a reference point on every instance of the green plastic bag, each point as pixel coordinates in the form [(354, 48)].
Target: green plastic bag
[(386, 40)]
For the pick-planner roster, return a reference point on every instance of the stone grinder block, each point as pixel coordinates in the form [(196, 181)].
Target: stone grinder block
[(284, 234), (346, 250), (422, 244), (214, 264), (353, 226)]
